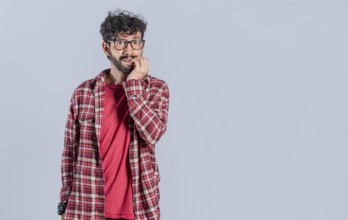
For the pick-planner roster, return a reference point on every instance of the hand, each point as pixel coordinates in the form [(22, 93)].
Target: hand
[(141, 68)]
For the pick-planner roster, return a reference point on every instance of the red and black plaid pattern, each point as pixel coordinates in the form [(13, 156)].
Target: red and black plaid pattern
[(82, 173)]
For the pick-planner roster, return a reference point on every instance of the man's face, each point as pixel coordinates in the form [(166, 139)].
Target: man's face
[(122, 58)]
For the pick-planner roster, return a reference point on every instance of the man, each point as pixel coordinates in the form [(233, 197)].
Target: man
[(109, 169)]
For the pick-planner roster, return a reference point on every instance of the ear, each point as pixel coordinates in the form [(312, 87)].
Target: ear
[(106, 48)]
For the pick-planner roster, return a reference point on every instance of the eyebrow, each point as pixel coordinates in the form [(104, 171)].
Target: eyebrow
[(136, 38), (121, 37)]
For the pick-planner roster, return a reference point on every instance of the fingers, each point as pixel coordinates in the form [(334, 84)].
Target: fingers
[(141, 68), (142, 65), (141, 62)]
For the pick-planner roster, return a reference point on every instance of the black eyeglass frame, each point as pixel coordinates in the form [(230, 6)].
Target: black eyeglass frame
[(128, 42)]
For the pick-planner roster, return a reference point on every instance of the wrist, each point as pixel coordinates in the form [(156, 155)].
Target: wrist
[(132, 78)]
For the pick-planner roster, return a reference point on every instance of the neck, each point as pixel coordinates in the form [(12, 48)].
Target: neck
[(115, 76)]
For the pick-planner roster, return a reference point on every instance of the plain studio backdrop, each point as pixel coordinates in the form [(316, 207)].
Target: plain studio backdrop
[(258, 119)]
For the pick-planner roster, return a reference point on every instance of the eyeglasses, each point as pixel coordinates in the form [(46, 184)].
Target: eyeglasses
[(122, 44)]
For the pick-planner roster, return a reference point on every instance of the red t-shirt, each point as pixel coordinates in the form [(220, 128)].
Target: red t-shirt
[(114, 144)]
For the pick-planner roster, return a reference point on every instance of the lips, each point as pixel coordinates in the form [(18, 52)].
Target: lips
[(127, 60)]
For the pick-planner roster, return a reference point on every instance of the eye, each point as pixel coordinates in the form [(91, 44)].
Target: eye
[(136, 42), (120, 42)]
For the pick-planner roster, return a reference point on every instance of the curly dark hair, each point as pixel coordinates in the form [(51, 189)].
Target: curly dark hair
[(121, 21)]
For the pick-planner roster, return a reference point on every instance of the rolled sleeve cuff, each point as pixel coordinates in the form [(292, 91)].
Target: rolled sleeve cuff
[(64, 194), (134, 88)]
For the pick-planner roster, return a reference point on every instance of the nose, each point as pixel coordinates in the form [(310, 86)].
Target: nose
[(129, 49)]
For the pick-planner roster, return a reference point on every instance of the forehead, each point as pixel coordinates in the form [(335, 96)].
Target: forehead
[(128, 36)]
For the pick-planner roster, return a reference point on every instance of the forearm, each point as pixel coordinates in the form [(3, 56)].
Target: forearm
[(67, 165), (150, 116), (149, 124), (67, 174)]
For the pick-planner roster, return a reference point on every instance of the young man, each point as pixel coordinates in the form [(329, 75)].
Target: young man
[(109, 169)]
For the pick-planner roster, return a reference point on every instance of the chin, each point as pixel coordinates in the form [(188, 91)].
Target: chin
[(127, 71)]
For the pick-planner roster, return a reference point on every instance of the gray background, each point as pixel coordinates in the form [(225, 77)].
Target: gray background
[(258, 113)]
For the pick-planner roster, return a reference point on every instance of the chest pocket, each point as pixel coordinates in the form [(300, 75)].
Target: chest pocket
[(86, 117), (86, 120), (87, 132), (87, 127), (86, 108)]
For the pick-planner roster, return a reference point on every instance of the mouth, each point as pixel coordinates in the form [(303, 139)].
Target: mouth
[(128, 60)]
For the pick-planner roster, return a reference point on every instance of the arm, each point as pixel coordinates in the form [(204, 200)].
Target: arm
[(68, 156), (150, 116)]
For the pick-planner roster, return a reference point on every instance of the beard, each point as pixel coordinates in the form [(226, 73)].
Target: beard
[(126, 69)]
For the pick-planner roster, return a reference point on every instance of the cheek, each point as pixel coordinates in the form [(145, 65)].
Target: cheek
[(115, 55), (138, 52)]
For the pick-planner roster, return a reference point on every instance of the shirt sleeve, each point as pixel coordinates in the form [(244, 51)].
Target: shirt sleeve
[(67, 165), (149, 111)]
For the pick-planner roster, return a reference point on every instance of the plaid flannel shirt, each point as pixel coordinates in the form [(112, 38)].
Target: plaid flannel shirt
[(82, 172)]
